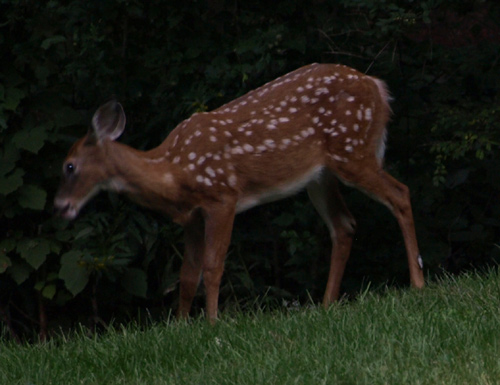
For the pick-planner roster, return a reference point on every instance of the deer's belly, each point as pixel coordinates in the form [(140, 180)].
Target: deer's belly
[(274, 193)]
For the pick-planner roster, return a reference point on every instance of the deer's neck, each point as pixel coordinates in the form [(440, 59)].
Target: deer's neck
[(154, 184)]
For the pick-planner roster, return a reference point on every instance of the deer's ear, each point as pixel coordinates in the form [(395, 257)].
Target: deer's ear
[(108, 121)]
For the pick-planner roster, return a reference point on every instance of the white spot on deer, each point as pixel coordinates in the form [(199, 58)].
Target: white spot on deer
[(212, 129), (339, 158), (348, 112), (261, 148), (283, 120), (304, 133), (213, 138), (314, 100), (309, 86), (368, 114), (248, 147), (359, 114), (192, 156), (175, 140), (200, 178), (248, 133), (343, 128), (311, 131), (293, 99), (356, 127), (286, 141), (200, 161), (217, 157), (197, 133), (232, 180), (271, 127), (228, 134), (283, 103), (176, 159), (237, 150), (300, 89), (315, 120), (292, 110), (321, 91), (333, 122), (220, 171), (349, 148), (351, 99), (210, 171), (321, 110), (207, 181), (269, 143), (305, 99)]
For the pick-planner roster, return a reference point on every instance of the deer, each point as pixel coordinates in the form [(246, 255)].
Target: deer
[(309, 129)]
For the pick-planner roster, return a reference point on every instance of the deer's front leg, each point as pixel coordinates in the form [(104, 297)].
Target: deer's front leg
[(194, 245), (219, 220)]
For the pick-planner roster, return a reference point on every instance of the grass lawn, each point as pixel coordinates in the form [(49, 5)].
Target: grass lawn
[(448, 333)]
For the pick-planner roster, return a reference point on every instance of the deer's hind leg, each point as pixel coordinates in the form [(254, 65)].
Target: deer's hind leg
[(369, 177), (325, 196)]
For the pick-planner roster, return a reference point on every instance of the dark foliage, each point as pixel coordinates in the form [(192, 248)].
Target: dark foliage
[(165, 60)]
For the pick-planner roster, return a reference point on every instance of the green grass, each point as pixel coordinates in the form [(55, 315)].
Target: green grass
[(448, 333)]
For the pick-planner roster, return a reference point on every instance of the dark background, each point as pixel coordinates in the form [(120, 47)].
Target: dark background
[(165, 60)]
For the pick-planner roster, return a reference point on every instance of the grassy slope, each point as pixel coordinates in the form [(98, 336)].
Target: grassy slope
[(448, 333)]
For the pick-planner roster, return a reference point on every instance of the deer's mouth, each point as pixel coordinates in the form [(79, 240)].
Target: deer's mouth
[(65, 209)]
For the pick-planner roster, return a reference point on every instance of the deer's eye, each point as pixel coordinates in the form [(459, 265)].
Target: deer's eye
[(69, 169)]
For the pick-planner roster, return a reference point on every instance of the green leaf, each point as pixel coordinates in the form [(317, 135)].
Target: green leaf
[(5, 262), (74, 275), (31, 139), (135, 282), (32, 197), (49, 291), (10, 183), (34, 251), (20, 272), (84, 233), (47, 43), (9, 155), (12, 98)]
